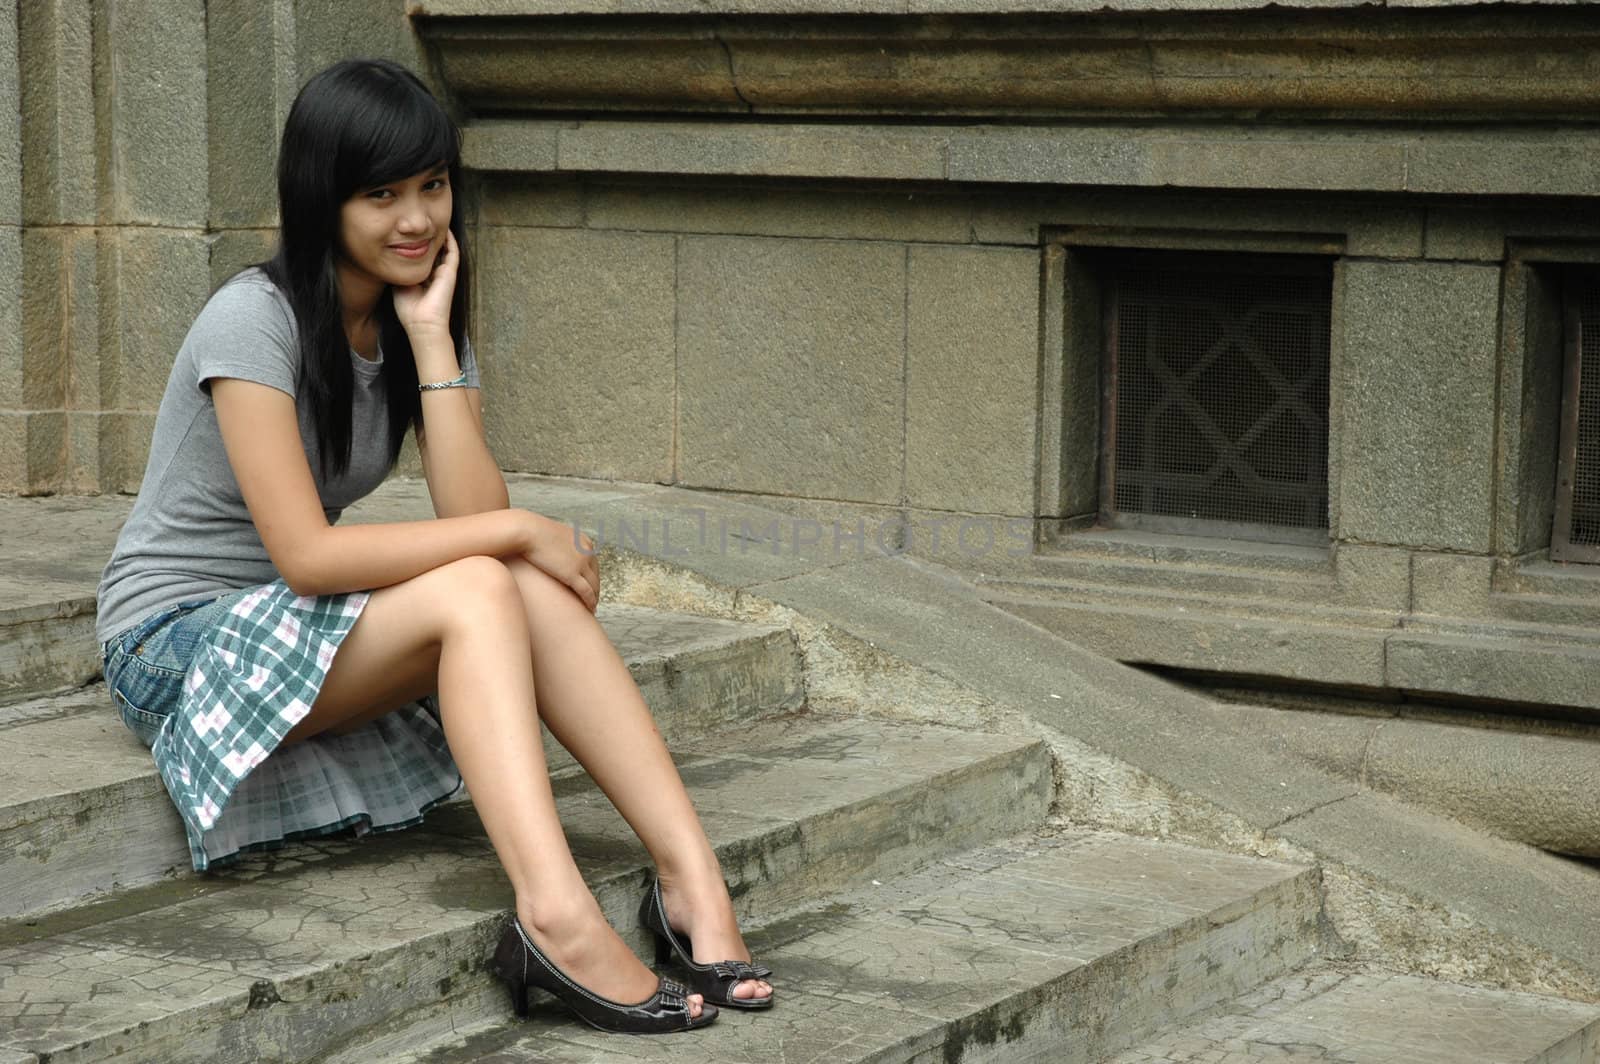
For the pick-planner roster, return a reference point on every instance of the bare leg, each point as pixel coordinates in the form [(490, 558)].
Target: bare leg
[(592, 706), (462, 630)]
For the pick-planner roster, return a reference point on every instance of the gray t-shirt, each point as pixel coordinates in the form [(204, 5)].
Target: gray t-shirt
[(190, 535)]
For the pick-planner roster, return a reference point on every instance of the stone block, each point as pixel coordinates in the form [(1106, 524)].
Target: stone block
[(544, 201), (10, 120), (576, 344), (251, 79), (1451, 585), (80, 471), (326, 33), (1416, 372), (1517, 670), (124, 449), (885, 153), (56, 52), (972, 379), (32, 450), (790, 367), (153, 283), (58, 319), (234, 249), (1465, 234), (11, 292), (827, 213), (518, 147), (156, 117), (1514, 163)]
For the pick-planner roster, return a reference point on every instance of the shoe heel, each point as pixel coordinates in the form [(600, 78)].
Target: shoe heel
[(519, 997), (663, 950)]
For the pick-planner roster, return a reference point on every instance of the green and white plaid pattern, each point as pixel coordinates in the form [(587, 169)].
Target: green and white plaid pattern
[(253, 679)]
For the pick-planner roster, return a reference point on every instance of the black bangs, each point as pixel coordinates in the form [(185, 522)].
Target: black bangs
[(398, 130)]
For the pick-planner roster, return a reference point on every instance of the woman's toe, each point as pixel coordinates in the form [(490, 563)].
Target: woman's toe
[(695, 1003)]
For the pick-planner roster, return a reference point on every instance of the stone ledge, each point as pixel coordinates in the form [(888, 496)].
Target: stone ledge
[(556, 8), (1500, 162)]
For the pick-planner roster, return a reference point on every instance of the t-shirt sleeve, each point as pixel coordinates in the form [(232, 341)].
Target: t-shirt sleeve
[(469, 363), (245, 332)]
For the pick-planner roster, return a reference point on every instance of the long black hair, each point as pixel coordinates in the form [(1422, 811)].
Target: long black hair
[(358, 124)]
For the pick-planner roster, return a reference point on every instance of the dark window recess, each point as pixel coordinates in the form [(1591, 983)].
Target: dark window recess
[(1576, 536), (1217, 395)]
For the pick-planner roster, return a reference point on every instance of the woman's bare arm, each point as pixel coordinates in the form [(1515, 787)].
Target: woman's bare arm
[(463, 477), (261, 433)]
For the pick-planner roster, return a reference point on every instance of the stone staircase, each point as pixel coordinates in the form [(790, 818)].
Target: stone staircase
[(906, 881)]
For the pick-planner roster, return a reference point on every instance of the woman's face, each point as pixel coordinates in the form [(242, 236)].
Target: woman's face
[(391, 234)]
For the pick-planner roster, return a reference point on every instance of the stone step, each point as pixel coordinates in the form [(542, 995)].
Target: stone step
[(1354, 1015), (290, 956), (82, 810), (1061, 949)]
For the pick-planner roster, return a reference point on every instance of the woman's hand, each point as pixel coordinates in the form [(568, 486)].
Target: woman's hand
[(424, 309), (566, 554)]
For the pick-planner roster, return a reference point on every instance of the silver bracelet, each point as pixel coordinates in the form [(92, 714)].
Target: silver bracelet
[(438, 386)]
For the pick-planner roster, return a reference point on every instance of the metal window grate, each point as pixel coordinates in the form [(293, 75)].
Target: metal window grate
[(1217, 393), (1576, 536)]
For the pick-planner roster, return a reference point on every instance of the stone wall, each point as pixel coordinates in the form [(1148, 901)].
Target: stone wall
[(140, 137), (848, 265)]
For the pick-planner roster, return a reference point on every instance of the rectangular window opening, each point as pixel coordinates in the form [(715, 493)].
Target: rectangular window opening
[(1576, 535), (1215, 397)]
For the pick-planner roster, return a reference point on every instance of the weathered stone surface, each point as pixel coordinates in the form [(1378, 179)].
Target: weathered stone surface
[(1489, 667), (1376, 1017), (59, 333), (1450, 584), (1515, 919), (1060, 948), (1416, 367), (124, 449), (32, 450), (12, 347), (577, 352), (152, 283), (156, 135), (10, 121), (1175, 156), (500, 145), (790, 366), (326, 940), (828, 213), (1507, 165), (55, 40), (60, 814), (553, 201), (327, 33), (234, 249), (251, 79), (972, 379), (1187, 638)]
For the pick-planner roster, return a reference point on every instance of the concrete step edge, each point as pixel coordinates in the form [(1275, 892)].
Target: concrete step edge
[(880, 817), (934, 973), (88, 813)]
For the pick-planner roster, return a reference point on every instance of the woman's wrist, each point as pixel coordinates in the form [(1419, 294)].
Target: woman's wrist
[(435, 356)]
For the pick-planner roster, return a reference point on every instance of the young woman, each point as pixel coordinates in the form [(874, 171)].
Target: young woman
[(273, 660)]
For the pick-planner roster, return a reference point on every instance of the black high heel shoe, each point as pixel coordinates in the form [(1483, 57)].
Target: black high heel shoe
[(521, 964), (713, 982)]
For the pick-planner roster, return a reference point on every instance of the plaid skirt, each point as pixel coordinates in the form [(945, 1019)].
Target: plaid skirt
[(214, 687)]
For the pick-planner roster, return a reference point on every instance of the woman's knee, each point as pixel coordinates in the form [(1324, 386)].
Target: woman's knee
[(539, 590), (478, 587)]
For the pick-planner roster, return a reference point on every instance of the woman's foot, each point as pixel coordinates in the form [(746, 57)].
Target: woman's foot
[(702, 912), (577, 939)]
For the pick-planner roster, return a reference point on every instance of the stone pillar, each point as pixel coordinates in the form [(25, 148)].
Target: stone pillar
[(1416, 369)]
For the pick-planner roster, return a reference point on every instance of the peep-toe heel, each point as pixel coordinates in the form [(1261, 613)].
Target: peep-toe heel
[(713, 982), (523, 966)]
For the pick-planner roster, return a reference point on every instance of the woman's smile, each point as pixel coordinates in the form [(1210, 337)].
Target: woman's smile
[(412, 250)]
